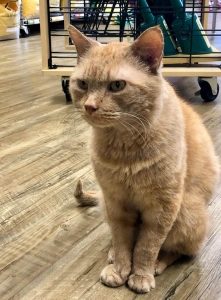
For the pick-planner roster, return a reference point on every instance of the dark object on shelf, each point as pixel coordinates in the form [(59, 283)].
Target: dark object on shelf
[(209, 88), (189, 30), (151, 20), (159, 7)]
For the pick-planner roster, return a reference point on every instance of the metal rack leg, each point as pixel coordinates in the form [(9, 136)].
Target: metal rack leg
[(65, 87)]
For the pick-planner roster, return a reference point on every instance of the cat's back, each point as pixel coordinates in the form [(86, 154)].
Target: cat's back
[(195, 131), (202, 162)]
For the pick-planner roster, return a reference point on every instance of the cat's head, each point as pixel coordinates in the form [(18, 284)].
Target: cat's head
[(119, 83)]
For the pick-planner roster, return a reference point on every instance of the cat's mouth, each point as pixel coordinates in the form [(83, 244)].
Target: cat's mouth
[(100, 119)]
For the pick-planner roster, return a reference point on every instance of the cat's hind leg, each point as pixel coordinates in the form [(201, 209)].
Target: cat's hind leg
[(187, 234), (164, 260)]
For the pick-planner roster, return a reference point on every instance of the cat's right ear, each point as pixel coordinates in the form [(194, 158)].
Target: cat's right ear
[(148, 47), (81, 42)]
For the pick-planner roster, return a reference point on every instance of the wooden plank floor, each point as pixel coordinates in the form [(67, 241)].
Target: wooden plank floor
[(49, 247)]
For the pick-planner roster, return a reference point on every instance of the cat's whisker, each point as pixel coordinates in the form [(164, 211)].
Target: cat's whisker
[(136, 130), (139, 118), (126, 126), (139, 121), (143, 136), (71, 113), (144, 132)]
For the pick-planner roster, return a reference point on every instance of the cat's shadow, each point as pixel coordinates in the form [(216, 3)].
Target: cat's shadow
[(186, 271)]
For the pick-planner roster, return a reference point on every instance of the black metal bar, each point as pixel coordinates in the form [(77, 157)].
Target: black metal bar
[(191, 35), (50, 65), (110, 16)]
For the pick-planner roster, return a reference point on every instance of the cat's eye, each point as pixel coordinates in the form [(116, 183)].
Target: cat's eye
[(116, 86), (82, 84)]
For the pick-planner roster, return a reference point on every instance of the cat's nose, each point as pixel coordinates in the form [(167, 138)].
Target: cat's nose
[(90, 108)]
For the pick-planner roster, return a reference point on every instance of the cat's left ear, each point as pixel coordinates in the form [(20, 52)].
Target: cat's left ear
[(81, 42), (148, 47)]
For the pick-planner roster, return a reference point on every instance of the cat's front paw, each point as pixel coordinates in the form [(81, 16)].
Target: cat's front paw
[(110, 276), (141, 284)]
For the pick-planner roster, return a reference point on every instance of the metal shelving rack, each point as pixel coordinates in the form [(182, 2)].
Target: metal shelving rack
[(26, 22), (108, 20)]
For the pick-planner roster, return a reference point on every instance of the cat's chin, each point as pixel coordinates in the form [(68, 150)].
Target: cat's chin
[(98, 122)]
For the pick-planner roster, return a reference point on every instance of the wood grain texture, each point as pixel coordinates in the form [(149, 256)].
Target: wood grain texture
[(49, 247)]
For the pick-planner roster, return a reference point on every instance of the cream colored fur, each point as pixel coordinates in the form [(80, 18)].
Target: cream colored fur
[(152, 157)]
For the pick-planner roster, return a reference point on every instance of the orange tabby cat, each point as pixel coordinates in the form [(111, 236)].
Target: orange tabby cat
[(151, 154)]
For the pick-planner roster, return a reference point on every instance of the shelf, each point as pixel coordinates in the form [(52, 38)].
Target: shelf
[(37, 20), (167, 71), (195, 58)]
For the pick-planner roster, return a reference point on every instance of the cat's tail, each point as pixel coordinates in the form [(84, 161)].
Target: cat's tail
[(85, 198)]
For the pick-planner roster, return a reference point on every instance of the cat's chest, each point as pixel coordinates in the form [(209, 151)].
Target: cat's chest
[(133, 184), (130, 176)]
